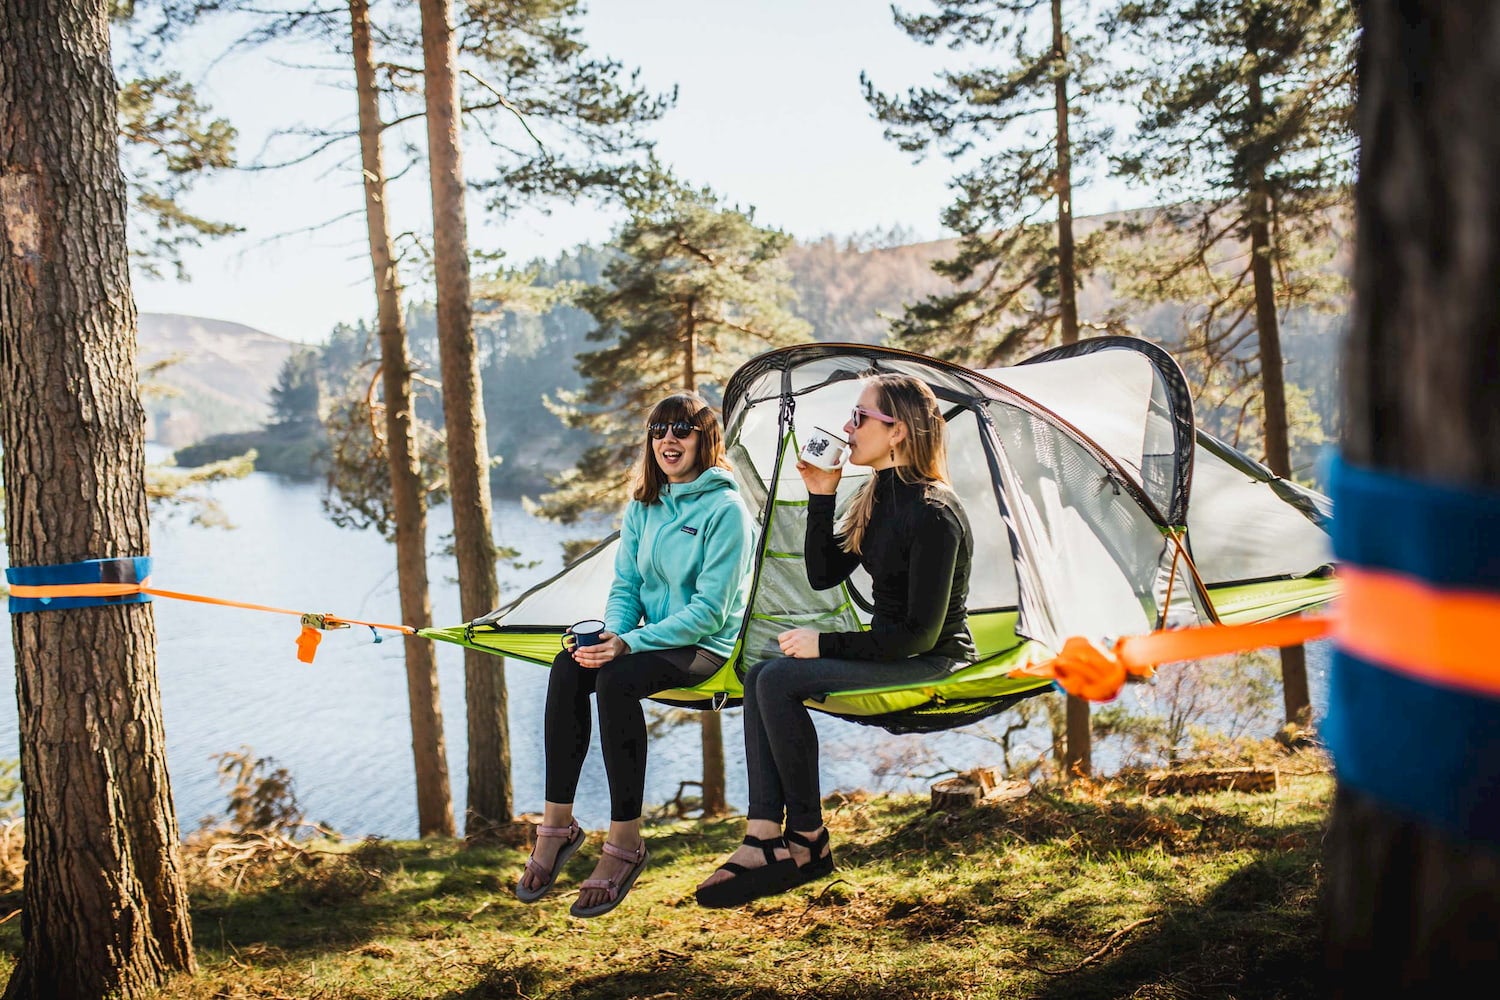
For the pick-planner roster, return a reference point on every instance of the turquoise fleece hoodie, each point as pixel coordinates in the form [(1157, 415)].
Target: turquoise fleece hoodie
[(682, 573)]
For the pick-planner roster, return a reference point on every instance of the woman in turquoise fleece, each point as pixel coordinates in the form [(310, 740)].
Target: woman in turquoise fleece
[(682, 577)]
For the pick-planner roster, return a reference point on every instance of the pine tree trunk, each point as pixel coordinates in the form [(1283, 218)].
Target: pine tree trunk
[(715, 783), (490, 797), (408, 501), (1411, 912), (690, 350), (104, 911), (1296, 697), (1078, 751), (715, 794), (1067, 266), (1078, 757)]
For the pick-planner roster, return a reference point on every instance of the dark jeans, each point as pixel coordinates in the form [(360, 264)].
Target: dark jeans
[(620, 685), (781, 744)]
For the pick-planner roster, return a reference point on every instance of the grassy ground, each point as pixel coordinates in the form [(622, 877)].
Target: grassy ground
[(1089, 891)]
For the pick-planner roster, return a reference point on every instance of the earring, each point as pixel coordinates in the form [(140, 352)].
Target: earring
[(893, 454)]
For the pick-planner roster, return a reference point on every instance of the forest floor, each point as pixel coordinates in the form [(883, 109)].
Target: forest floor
[(1093, 889)]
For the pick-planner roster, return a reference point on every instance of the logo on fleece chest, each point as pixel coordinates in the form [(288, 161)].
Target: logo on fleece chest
[(674, 550)]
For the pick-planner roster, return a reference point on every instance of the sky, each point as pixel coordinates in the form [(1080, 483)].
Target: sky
[(769, 113)]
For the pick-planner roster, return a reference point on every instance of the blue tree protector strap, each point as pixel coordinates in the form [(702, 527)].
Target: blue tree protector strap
[(1423, 748), (124, 570)]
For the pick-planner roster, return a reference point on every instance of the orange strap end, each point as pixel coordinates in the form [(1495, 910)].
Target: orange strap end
[(1086, 671), (307, 643)]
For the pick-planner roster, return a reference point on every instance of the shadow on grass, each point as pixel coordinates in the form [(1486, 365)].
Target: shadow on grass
[(1254, 938), (412, 890), (684, 978), (341, 900), (1122, 828)]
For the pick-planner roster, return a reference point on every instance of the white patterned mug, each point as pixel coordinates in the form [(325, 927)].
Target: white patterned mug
[(824, 449)]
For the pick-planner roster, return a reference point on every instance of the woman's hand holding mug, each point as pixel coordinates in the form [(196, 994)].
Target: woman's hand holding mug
[(592, 645), (819, 480), (597, 655)]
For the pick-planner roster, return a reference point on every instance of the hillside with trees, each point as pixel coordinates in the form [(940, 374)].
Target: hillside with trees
[(208, 376), (851, 289)]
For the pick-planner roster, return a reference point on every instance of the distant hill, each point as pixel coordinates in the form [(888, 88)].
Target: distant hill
[(849, 292), (848, 289), (220, 382)]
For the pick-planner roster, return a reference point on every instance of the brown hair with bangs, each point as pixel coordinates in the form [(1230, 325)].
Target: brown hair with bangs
[(689, 406)]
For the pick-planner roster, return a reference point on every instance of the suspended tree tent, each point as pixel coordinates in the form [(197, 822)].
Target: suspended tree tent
[(1097, 511)]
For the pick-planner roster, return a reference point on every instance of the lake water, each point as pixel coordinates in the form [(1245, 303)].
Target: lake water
[(230, 678)]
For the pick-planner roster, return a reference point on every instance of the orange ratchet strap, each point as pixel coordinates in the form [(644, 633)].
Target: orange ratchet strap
[(307, 641), (1086, 670)]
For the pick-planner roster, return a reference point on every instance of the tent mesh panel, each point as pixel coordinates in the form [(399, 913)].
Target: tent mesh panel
[(782, 598)]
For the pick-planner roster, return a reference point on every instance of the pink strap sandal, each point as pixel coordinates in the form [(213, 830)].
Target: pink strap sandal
[(574, 837), (615, 891)]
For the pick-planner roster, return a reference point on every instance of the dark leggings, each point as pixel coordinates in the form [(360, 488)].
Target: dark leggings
[(620, 685), (781, 744)]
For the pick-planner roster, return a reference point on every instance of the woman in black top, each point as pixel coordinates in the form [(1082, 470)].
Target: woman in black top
[(906, 528)]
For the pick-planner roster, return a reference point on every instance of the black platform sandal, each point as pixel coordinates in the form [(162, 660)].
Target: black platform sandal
[(819, 865), (751, 883)]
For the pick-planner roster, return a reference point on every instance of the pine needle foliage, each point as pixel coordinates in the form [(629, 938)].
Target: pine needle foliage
[(1246, 129), (1016, 273), (357, 486), (697, 289), (565, 122), (169, 140)]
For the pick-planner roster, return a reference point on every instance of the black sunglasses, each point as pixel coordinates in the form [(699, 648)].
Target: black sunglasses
[(680, 430)]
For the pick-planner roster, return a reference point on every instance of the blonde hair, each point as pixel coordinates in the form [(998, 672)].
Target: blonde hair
[(693, 408), (922, 457)]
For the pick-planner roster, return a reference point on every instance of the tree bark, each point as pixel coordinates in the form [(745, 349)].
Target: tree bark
[(490, 796), (104, 910), (1411, 911), (715, 783), (1078, 751), (1078, 755), (1067, 265), (408, 500), (690, 350), (1296, 697)]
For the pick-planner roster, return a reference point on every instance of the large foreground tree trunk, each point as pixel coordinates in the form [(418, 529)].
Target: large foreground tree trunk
[(408, 500), (1411, 910), (104, 912), (490, 797)]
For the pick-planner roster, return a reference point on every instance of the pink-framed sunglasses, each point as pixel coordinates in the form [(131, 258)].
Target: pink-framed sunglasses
[(859, 413)]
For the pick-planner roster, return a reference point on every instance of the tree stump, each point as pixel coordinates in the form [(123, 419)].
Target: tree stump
[(519, 832), (970, 789)]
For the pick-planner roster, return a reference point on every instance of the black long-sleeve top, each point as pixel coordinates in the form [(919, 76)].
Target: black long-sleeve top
[(917, 549)]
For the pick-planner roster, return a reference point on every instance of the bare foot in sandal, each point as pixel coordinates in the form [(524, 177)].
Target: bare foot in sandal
[(614, 876), (557, 838), (747, 856), (811, 853)]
